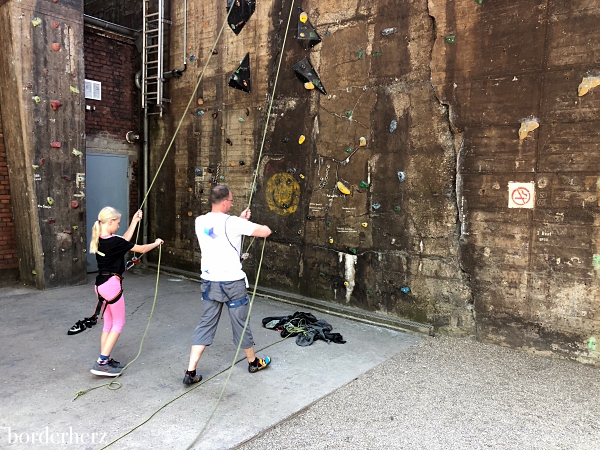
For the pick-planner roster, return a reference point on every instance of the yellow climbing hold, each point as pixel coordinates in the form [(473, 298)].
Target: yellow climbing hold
[(362, 141), (301, 139), (331, 240), (343, 189), (526, 127), (302, 176), (302, 35), (586, 84), (50, 200), (346, 284), (309, 85), (77, 152), (35, 22), (364, 224), (74, 89), (303, 17)]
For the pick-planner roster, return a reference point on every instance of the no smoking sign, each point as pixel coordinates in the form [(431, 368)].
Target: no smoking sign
[(521, 195)]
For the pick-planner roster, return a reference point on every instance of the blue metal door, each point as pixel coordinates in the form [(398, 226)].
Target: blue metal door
[(106, 185)]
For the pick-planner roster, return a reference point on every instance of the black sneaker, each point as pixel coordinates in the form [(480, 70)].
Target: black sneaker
[(188, 379), (262, 363), (105, 370), (116, 364)]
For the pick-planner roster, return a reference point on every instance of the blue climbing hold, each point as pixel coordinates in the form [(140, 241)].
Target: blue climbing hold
[(198, 172), (401, 177), (405, 289), (376, 206), (192, 58), (393, 126)]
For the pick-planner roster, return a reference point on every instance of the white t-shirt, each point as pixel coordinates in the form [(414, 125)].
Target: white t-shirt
[(220, 239)]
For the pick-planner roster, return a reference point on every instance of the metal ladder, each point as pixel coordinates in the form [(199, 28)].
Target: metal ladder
[(152, 56)]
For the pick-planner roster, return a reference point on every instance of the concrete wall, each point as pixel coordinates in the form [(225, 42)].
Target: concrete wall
[(426, 232)]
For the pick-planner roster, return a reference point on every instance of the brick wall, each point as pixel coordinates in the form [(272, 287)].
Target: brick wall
[(114, 60), (8, 243)]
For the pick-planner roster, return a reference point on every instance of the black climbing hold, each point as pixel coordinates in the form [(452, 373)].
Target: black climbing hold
[(242, 163), (241, 11), (305, 72), (241, 77), (228, 141), (285, 140), (306, 32)]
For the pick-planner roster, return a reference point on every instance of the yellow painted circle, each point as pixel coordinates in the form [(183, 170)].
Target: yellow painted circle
[(283, 194)]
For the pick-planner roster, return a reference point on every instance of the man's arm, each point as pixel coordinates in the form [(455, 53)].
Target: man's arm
[(261, 231)]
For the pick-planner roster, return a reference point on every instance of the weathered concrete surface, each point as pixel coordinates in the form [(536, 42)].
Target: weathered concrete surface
[(358, 249), (41, 60), (534, 272)]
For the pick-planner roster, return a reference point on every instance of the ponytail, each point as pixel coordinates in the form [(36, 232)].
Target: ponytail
[(104, 216)]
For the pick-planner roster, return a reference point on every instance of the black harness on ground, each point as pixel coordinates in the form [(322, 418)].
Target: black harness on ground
[(102, 302)]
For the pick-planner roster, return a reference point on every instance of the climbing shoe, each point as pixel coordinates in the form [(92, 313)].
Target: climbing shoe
[(77, 328), (105, 370), (188, 379), (259, 364), (90, 321), (116, 364)]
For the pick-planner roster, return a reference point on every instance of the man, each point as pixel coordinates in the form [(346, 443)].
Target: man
[(223, 280)]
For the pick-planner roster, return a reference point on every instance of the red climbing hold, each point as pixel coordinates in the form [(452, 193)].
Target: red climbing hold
[(56, 46), (55, 24), (74, 204), (55, 144), (55, 104)]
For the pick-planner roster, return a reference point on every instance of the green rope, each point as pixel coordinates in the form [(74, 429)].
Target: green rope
[(114, 385)]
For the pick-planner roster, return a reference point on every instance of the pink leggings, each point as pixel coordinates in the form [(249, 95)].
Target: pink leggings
[(114, 315)]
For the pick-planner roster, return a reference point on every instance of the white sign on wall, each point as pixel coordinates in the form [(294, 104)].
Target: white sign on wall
[(93, 90), (521, 195)]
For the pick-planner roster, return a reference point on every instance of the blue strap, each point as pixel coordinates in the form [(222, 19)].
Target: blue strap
[(237, 303)]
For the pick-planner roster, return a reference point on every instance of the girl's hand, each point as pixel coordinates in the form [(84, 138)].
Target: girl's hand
[(159, 241), (137, 216)]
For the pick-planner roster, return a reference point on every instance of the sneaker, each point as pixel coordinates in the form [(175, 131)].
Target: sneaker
[(262, 363), (105, 370), (188, 380), (115, 364)]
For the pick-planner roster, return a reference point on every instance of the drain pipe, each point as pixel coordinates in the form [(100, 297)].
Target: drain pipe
[(112, 27)]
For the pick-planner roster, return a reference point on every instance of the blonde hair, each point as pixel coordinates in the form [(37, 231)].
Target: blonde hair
[(107, 213)]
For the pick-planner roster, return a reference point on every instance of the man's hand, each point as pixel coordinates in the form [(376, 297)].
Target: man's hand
[(246, 214)]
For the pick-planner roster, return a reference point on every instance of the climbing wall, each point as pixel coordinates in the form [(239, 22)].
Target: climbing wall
[(356, 175), (522, 82), (41, 84)]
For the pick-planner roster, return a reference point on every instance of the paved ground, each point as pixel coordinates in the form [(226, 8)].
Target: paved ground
[(43, 369), (380, 390)]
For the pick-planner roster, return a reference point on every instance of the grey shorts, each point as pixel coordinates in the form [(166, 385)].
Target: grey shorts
[(215, 294)]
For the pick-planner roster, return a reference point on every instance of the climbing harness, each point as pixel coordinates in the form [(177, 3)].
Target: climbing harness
[(103, 302)]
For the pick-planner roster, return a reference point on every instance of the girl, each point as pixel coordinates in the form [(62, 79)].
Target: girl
[(110, 251)]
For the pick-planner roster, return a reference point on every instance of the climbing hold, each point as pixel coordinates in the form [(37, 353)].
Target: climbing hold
[(305, 73), (328, 223), (50, 200), (75, 227), (200, 112), (222, 177), (306, 32), (228, 141), (342, 188), (377, 53), (352, 250), (526, 127), (369, 291), (55, 144), (586, 84), (241, 119), (55, 24), (364, 224), (36, 21), (34, 272), (393, 126), (360, 53), (309, 218), (479, 1), (50, 220), (349, 113), (36, 99), (592, 343), (247, 111), (240, 79), (200, 101), (35, 167), (376, 206), (28, 85), (74, 204), (232, 163), (215, 51), (190, 213), (77, 152), (301, 176), (322, 275), (215, 115), (405, 289), (55, 46), (241, 11), (327, 33), (348, 150), (301, 139), (285, 140), (309, 86), (362, 141), (66, 178), (450, 39), (55, 104), (291, 170), (198, 172), (346, 284), (42, 161), (388, 31), (397, 208), (331, 240), (364, 185), (401, 177), (192, 58), (242, 163), (74, 89)]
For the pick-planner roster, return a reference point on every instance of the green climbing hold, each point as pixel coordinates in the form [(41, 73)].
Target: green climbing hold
[(352, 250), (479, 1), (241, 119), (360, 53), (364, 185), (450, 39), (369, 291), (397, 208), (349, 113), (328, 224), (322, 275), (348, 150), (377, 53)]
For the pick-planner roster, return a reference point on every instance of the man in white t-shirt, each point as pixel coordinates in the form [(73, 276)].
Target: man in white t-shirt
[(223, 280)]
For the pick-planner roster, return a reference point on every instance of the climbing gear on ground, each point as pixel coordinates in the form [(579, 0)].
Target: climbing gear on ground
[(259, 364), (77, 328), (306, 327)]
